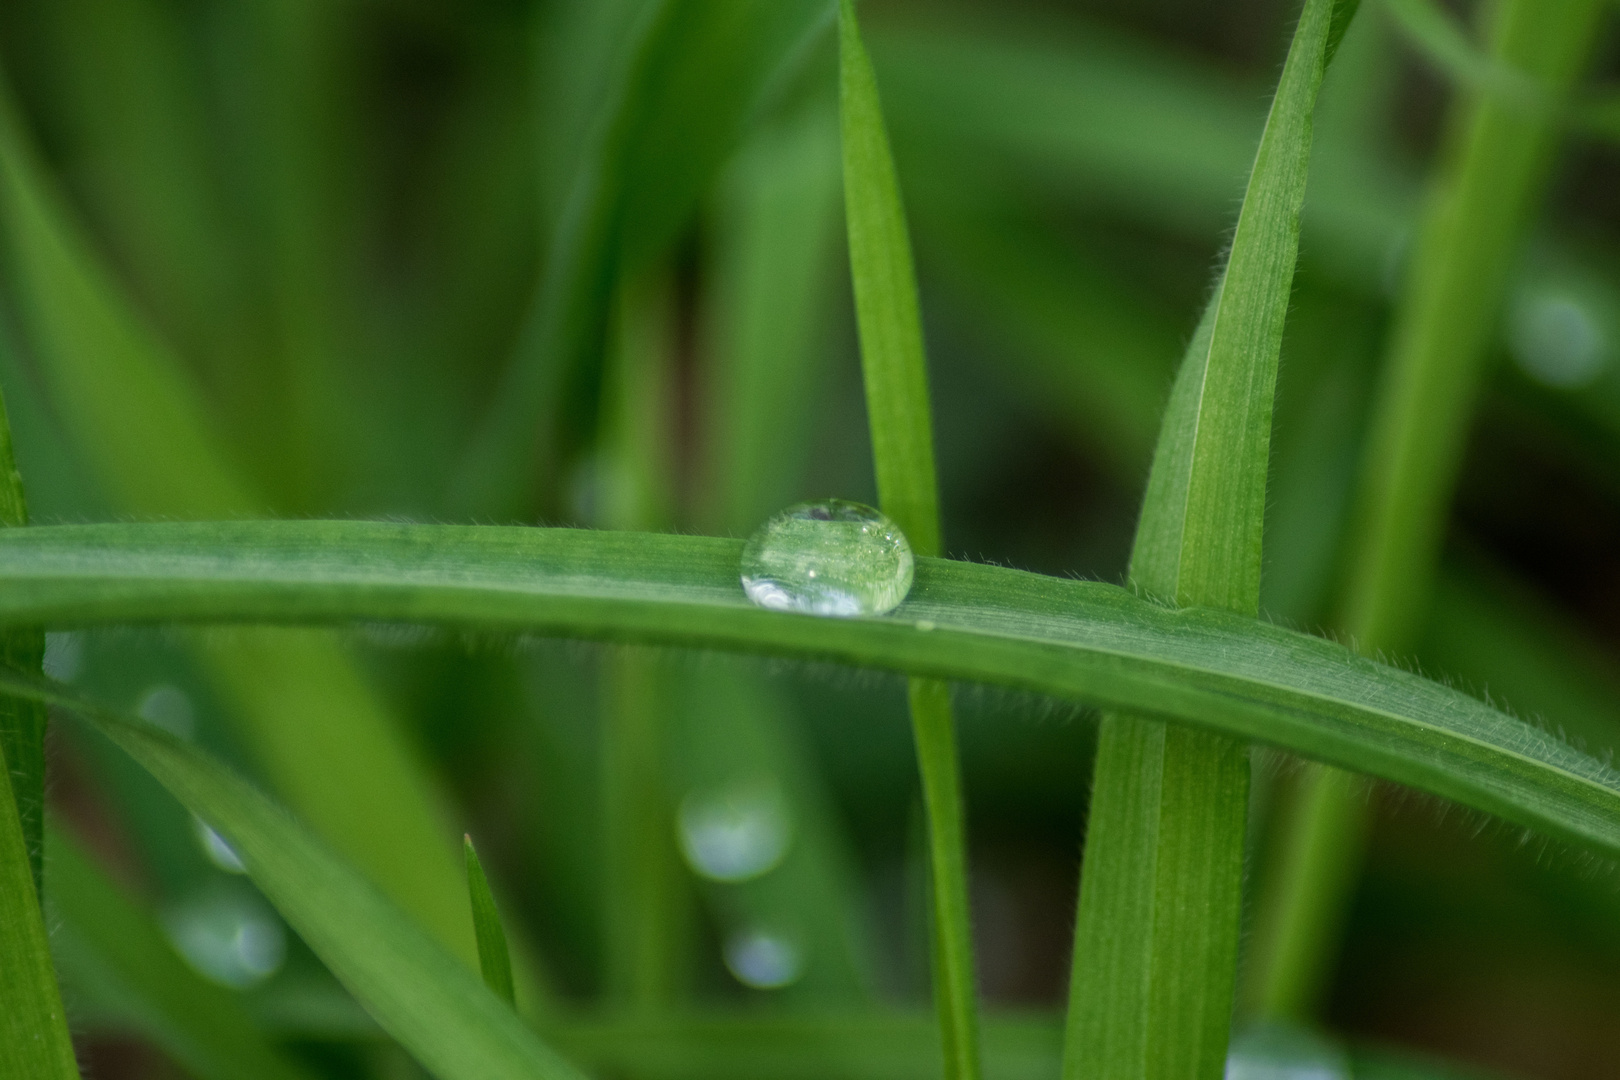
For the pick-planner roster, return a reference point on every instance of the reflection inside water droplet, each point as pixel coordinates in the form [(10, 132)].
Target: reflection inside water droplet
[(735, 832), (1274, 1052), (64, 655), (219, 852), (833, 558), (764, 960), (228, 935)]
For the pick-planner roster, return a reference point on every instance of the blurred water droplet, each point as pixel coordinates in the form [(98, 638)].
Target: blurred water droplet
[(764, 960), (832, 558), (219, 852), (229, 936), (736, 832), (1276, 1052), (168, 707), (1557, 339), (64, 656)]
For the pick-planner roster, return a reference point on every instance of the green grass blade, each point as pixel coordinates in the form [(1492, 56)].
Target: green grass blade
[(108, 939), (1160, 911), (894, 369), (1493, 167), (34, 1040), (418, 992), (22, 726), (695, 77), (494, 962), (1079, 640), (1445, 43)]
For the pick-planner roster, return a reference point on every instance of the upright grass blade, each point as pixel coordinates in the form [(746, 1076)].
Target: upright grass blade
[(494, 962), (895, 371), (34, 1040), (22, 727), (642, 886), (420, 994), (1493, 167), (113, 953), (692, 78), (1156, 934), (1084, 641), (315, 725)]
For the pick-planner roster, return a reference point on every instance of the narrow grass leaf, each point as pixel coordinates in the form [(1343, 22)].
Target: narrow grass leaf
[(109, 939), (1160, 911), (494, 962), (34, 1040), (894, 369), (1079, 640), (1493, 167), (421, 995), (22, 726)]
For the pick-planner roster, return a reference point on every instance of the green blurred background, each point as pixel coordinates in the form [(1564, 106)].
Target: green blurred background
[(581, 262)]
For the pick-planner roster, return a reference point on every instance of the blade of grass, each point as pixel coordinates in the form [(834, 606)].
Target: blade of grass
[(494, 962), (419, 993), (108, 938), (694, 77), (1160, 911), (22, 727), (894, 369), (1437, 34), (1493, 167), (307, 713), (1081, 640), (34, 1040)]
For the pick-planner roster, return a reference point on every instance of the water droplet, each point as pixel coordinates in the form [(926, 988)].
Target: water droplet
[(764, 960), (925, 625), (1557, 339), (1275, 1052), (736, 832), (168, 707), (833, 558), (218, 850), (229, 936), (64, 656)]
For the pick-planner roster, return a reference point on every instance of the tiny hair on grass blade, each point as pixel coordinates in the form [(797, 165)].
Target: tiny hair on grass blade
[(1087, 641)]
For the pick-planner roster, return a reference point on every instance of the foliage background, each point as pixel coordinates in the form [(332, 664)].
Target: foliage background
[(336, 216)]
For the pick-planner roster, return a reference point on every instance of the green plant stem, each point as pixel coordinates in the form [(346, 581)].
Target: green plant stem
[(22, 725), (1492, 171), (894, 369)]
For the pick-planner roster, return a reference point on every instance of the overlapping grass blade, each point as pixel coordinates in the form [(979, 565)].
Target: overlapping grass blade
[(494, 962), (423, 996), (1156, 935), (1493, 167), (692, 78), (114, 955), (22, 727), (317, 727), (1079, 640), (34, 1040), (894, 369)]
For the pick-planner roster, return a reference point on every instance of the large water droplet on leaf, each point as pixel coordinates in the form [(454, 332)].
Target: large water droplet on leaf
[(832, 558), (229, 936), (1277, 1052), (736, 832)]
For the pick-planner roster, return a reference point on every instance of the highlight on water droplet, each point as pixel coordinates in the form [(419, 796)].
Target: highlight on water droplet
[(1557, 338), (735, 832), (217, 848), (1277, 1052), (833, 558), (64, 655), (764, 959), (228, 935)]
